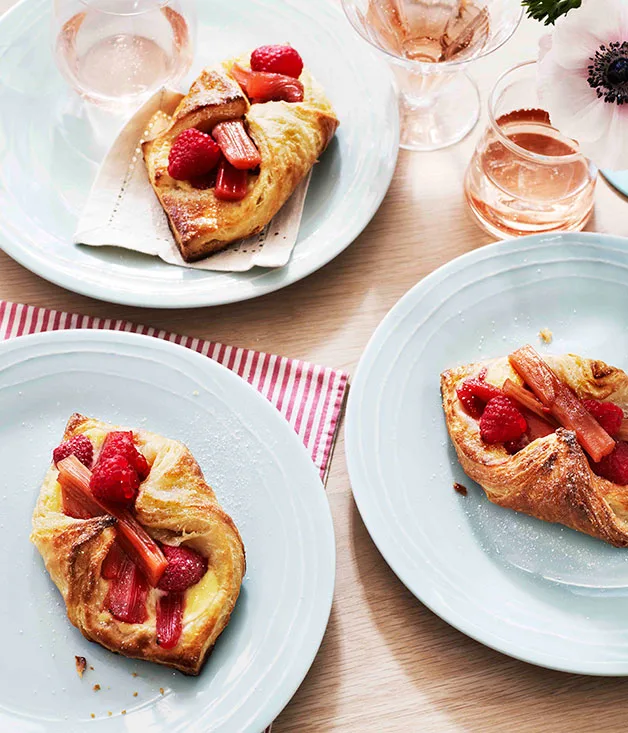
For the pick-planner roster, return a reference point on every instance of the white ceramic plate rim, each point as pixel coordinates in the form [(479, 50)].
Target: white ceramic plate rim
[(376, 523), (259, 282), (315, 493)]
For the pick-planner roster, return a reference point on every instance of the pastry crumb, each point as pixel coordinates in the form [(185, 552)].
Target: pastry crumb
[(123, 712), (90, 666), (161, 689), (460, 489), (92, 715), (81, 663), (133, 674), (196, 393), (96, 687), (109, 713), (546, 335), (135, 694)]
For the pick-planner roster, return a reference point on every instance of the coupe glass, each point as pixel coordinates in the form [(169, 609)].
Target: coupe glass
[(118, 52), (429, 44)]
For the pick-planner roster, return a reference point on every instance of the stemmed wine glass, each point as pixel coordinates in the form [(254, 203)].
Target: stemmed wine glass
[(429, 44)]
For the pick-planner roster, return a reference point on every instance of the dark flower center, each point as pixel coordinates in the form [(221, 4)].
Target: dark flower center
[(618, 71), (608, 72)]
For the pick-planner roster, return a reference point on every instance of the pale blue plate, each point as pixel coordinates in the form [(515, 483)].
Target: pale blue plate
[(618, 180), (533, 590), (50, 147), (261, 474)]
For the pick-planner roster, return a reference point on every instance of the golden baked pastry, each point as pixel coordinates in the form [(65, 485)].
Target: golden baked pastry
[(551, 477), (290, 137), (178, 509)]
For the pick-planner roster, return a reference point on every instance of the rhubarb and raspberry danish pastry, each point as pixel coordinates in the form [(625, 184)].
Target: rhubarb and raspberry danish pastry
[(148, 563), (545, 436), (236, 147)]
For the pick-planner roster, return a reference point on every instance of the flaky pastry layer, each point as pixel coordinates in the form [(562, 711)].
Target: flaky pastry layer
[(550, 478), (290, 137), (176, 506)]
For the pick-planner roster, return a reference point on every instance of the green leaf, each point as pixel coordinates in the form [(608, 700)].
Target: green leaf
[(549, 10)]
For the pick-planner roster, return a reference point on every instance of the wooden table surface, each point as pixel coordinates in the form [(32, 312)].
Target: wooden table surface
[(387, 663)]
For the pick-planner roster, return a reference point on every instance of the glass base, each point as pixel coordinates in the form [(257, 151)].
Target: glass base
[(502, 229), (444, 119)]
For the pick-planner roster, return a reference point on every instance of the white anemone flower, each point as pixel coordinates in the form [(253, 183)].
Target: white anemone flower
[(583, 80)]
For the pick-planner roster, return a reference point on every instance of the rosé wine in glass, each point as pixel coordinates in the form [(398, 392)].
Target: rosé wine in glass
[(118, 52), (429, 44), (525, 177)]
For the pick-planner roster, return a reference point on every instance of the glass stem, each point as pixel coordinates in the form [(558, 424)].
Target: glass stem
[(419, 90)]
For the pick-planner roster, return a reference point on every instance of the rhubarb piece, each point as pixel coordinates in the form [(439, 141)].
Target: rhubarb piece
[(614, 467), (185, 568), (236, 145), (121, 443), (114, 479), (502, 421), (79, 446), (133, 538), (73, 505), (140, 546), (261, 86), (537, 426), (169, 619), (193, 153), (525, 398), (562, 402), (74, 490), (231, 183), (607, 414), (278, 60), (113, 563), (126, 598)]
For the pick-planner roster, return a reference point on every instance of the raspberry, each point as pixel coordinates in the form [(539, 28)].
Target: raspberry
[(474, 394), (120, 443), (193, 154), (501, 421), (185, 568), (115, 479), (277, 60), (79, 446), (614, 467), (607, 414)]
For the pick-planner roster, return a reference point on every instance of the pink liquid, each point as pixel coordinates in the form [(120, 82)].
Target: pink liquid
[(119, 66), (427, 31), (514, 194), (134, 64)]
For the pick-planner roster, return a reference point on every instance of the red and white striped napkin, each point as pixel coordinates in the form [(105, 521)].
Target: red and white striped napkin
[(310, 397)]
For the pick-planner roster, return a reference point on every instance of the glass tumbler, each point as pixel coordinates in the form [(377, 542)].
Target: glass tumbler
[(118, 52), (525, 177), (429, 44)]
